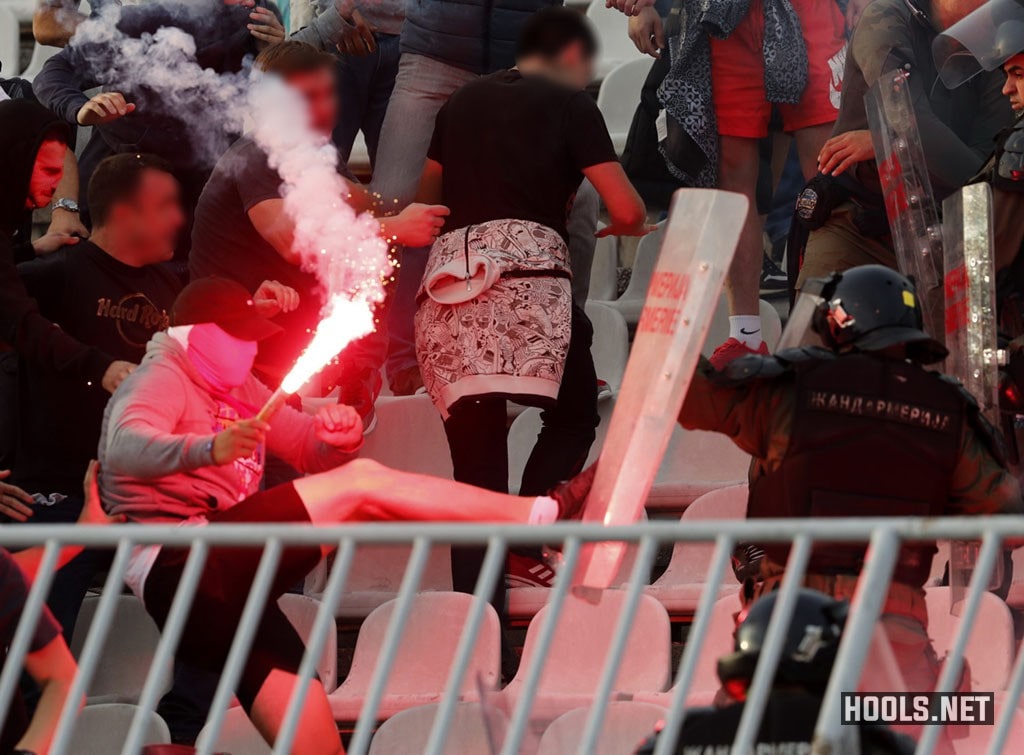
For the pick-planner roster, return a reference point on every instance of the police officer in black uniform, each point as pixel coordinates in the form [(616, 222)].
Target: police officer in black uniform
[(797, 691), (859, 428)]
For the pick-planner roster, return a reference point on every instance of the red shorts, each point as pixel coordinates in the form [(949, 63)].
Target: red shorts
[(737, 72)]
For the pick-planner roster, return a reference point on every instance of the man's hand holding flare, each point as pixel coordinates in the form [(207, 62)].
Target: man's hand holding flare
[(336, 425), (239, 441)]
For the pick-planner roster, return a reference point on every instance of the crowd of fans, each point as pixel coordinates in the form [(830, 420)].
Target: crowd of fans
[(165, 301)]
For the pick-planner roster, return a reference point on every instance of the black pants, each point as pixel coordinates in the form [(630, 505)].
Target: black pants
[(478, 438), (223, 590)]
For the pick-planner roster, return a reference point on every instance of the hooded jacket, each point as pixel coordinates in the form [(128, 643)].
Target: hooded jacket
[(158, 125), (156, 445), (23, 127)]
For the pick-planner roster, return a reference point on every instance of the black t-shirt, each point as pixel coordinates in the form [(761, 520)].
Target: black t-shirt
[(225, 243), (786, 729), (102, 302), (515, 146), (14, 591)]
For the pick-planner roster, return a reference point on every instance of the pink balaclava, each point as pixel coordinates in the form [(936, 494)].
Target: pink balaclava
[(223, 360)]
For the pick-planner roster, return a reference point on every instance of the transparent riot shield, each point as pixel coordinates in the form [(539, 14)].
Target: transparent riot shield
[(699, 243), (799, 329), (970, 328), (971, 332), (906, 187)]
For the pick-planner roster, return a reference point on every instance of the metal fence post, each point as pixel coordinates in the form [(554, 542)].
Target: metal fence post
[(767, 663), (952, 667), (1001, 732), (322, 624), (248, 625), (669, 736), (169, 638), (521, 717), (638, 579), (868, 599), (93, 648), (392, 638), (14, 662), (492, 570)]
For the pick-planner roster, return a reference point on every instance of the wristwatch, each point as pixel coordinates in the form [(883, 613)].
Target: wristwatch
[(66, 204)]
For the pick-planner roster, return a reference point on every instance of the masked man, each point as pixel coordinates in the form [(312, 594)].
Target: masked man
[(181, 443)]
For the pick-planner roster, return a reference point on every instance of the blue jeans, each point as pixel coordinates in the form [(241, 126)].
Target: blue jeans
[(422, 86), (365, 84)]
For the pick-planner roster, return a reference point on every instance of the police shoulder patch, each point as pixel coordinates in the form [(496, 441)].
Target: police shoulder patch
[(768, 367)]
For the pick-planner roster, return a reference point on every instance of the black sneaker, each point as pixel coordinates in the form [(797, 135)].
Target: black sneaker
[(774, 281), (360, 391)]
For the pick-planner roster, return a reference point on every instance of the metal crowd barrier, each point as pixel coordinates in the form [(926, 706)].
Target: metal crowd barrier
[(884, 536)]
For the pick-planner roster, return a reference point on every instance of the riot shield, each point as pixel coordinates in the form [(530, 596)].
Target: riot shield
[(799, 329), (907, 190), (982, 40), (971, 329), (699, 243)]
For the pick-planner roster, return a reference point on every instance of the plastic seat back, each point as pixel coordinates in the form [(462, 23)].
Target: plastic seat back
[(427, 651), (407, 732), (10, 43), (647, 252), (127, 653), (625, 725), (691, 560), (40, 54), (376, 575), (604, 271), (696, 462), (583, 639), (610, 348), (613, 37), (301, 611), (990, 646), (409, 437), (619, 97), (238, 736), (102, 729)]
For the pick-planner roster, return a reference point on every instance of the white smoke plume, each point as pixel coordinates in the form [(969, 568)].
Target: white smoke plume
[(212, 106), (342, 248)]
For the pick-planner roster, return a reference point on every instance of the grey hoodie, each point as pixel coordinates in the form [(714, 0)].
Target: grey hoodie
[(156, 445)]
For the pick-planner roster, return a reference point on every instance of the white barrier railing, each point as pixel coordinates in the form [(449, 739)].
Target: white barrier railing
[(884, 536)]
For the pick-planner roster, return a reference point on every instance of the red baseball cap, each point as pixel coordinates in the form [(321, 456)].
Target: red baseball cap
[(224, 303)]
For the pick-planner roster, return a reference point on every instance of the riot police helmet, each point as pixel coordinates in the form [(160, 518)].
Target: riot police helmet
[(873, 308), (808, 651), (983, 40)]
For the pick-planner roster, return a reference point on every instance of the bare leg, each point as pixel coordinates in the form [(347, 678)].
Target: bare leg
[(809, 142), (740, 163), (316, 733), (364, 490)]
